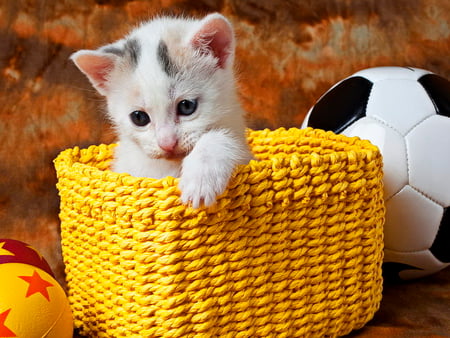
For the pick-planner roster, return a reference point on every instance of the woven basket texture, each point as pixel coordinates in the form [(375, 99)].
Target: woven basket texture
[(293, 248)]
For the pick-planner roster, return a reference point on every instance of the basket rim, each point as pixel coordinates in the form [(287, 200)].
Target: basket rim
[(69, 160)]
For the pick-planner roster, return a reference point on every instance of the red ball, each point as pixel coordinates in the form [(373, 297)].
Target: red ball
[(32, 303)]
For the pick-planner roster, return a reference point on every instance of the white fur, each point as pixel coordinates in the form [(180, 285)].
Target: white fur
[(210, 142)]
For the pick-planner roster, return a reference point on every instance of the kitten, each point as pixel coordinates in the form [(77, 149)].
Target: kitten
[(171, 95)]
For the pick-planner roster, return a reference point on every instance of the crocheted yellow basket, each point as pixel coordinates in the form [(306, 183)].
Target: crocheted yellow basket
[(293, 248)]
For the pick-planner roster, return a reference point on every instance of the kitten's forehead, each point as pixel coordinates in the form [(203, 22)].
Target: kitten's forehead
[(165, 38), (159, 34)]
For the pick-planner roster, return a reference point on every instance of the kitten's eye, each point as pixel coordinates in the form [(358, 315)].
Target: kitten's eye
[(186, 107), (140, 118)]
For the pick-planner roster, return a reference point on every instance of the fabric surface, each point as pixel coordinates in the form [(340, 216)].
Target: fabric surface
[(419, 308)]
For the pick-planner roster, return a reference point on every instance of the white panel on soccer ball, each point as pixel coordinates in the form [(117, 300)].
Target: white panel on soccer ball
[(393, 148), (401, 104), (306, 119), (424, 261), (412, 221), (388, 73), (429, 158)]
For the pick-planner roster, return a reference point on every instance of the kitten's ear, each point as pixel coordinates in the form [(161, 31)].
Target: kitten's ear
[(97, 66), (215, 36)]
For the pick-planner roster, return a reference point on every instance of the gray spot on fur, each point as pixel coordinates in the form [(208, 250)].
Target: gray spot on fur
[(133, 51), (113, 50), (165, 61), (130, 50)]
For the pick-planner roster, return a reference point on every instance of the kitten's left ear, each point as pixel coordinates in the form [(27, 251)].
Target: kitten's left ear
[(97, 66), (215, 36)]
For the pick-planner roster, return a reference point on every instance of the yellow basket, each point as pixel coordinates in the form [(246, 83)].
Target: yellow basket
[(293, 248)]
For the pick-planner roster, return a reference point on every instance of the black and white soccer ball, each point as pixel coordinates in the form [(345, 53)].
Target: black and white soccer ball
[(406, 113)]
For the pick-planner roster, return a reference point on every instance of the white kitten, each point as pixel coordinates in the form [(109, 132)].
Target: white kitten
[(171, 95)]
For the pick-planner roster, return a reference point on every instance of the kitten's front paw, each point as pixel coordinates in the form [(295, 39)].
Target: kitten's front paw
[(201, 186)]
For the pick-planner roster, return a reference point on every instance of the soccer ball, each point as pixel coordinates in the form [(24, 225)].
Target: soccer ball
[(406, 113)]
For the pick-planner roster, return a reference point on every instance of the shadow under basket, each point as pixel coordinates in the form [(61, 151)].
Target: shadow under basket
[(293, 248)]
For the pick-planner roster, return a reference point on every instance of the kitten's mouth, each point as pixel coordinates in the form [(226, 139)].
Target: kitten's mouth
[(172, 155)]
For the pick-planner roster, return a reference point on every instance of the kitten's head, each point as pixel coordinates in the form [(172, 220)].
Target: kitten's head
[(168, 82)]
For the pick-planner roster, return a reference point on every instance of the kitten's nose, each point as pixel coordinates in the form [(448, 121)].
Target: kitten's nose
[(167, 137), (168, 144)]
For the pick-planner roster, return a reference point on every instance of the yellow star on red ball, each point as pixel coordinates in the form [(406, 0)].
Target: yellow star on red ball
[(37, 285), (4, 331)]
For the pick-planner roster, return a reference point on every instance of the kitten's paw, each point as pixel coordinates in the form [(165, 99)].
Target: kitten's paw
[(207, 169), (201, 186)]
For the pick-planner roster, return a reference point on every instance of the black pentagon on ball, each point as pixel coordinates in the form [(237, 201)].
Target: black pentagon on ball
[(438, 89), (342, 105), (441, 245), (392, 270)]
